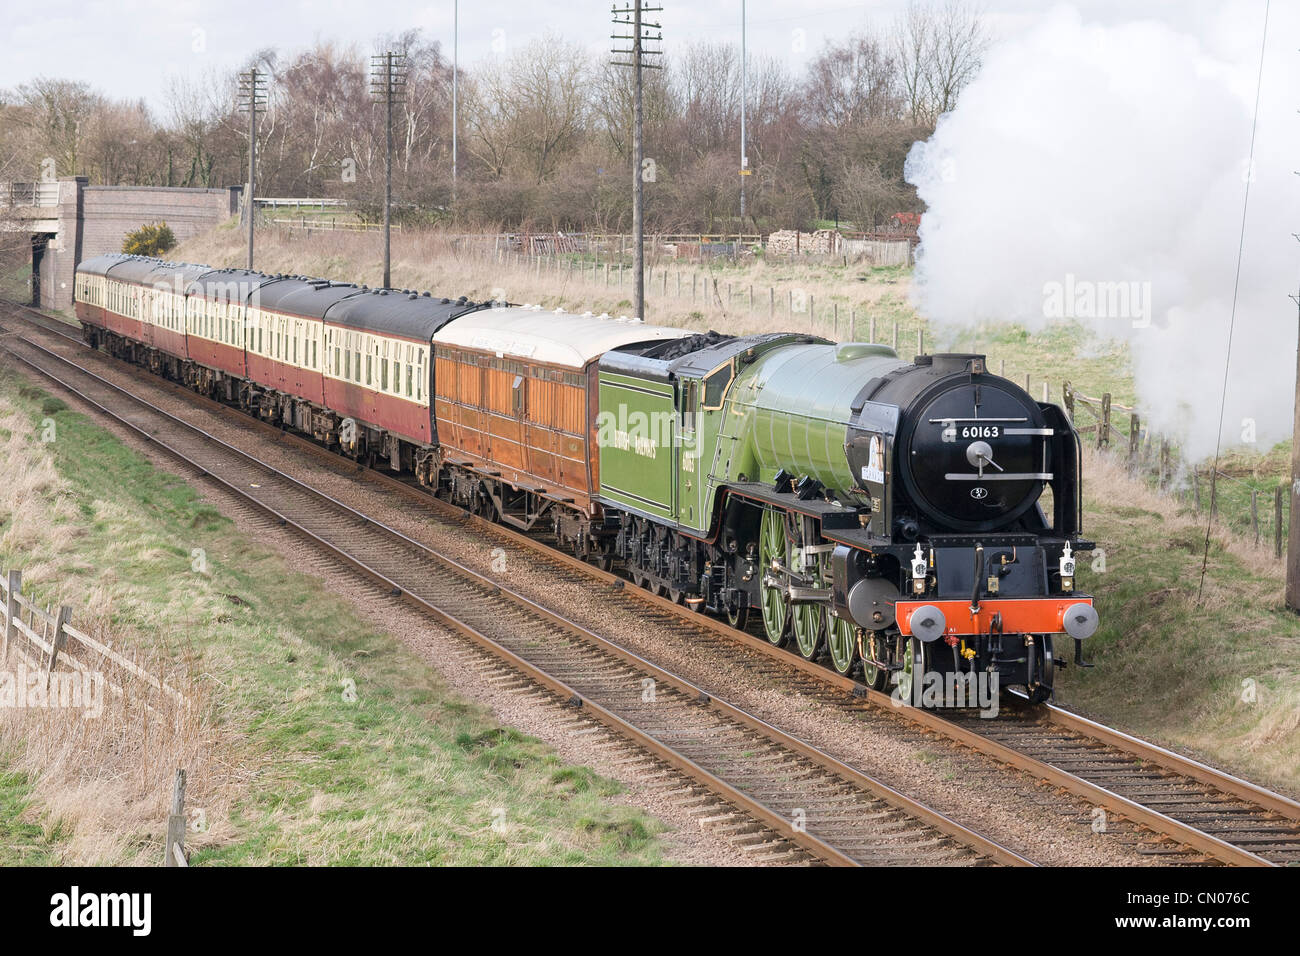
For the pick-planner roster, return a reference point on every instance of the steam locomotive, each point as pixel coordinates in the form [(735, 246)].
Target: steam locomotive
[(905, 521)]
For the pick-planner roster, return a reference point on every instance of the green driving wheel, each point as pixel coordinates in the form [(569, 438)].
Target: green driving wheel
[(776, 610), (913, 672), (874, 677), (809, 620), (841, 641)]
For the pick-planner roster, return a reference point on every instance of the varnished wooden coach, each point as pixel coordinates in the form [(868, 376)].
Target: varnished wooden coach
[(515, 405)]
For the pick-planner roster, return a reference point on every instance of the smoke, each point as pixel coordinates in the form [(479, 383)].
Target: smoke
[(1097, 172)]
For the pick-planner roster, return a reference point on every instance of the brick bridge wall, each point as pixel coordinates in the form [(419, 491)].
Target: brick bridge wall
[(95, 219)]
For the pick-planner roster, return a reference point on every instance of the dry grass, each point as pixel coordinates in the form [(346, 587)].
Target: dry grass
[(1208, 669), (104, 779), (446, 265), (428, 259)]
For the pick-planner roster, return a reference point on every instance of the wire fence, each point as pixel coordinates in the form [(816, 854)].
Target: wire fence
[(1256, 508)]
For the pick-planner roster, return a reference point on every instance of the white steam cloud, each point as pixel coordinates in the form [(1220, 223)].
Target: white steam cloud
[(1098, 172)]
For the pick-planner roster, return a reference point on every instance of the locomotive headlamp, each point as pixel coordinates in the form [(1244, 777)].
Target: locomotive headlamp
[(918, 571), (1067, 568)]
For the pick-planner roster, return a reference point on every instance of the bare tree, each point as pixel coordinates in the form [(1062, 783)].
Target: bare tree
[(912, 41), (57, 112), (961, 41), (853, 82), (939, 50)]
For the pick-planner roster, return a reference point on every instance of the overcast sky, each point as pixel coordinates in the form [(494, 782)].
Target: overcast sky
[(125, 47)]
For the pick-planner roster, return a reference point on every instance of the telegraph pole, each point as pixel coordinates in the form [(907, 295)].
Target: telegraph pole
[(744, 89), (455, 73), (631, 16), (1293, 495), (253, 99), (388, 81)]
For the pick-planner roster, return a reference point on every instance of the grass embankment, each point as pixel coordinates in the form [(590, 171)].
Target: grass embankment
[(1213, 672), (285, 764)]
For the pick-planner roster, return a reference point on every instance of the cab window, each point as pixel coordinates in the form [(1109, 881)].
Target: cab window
[(715, 386)]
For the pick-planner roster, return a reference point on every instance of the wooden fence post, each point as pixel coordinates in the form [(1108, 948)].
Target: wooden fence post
[(1277, 522), (771, 302), (1254, 514), (1134, 439), (174, 851), (873, 328), (1067, 396), (1103, 429), (1164, 462), (60, 637), (853, 321), (11, 610)]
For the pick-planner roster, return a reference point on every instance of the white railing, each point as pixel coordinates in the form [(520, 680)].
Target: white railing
[(29, 194), (275, 202)]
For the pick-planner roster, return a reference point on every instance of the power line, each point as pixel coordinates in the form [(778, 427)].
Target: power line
[(1232, 319)]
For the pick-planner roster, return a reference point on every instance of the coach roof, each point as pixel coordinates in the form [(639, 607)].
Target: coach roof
[(227, 285), (99, 265), (295, 295), (407, 315), (556, 338), (150, 271)]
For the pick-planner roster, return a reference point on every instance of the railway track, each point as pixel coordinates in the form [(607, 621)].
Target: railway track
[(794, 792), (1205, 814)]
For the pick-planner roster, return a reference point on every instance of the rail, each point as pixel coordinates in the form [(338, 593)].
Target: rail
[(1222, 843), (401, 565)]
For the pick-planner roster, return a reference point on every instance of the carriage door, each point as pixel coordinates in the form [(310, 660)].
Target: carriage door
[(686, 449)]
